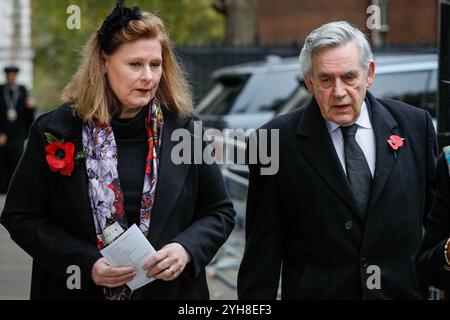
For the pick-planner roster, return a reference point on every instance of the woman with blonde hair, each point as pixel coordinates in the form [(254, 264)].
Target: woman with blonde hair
[(104, 158)]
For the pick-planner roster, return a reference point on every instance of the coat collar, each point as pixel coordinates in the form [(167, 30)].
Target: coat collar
[(384, 125), (170, 180), (317, 145), (319, 151), (65, 125)]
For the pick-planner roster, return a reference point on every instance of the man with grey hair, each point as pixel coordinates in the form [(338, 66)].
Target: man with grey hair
[(342, 218)]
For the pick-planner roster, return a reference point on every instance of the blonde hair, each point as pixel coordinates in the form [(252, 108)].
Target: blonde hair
[(90, 92)]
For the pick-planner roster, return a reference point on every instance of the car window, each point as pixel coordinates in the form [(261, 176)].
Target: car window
[(299, 98), (273, 90), (409, 87), (222, 95)]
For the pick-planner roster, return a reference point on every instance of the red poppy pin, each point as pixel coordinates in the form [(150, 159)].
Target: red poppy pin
[(61, 155), (396, 143)]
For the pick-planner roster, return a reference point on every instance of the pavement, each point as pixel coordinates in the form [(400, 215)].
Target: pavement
[(15, 268)]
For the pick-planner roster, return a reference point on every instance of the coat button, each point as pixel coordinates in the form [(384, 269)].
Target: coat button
[(363, 263), (348, 224)]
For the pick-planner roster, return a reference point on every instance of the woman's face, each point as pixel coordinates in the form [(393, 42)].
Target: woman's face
[(133, 72)]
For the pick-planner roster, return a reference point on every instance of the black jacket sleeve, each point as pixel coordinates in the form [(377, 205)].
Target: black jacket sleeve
[(431, 258), (213, 218), (29, 216), (431, 155), (259, 272)]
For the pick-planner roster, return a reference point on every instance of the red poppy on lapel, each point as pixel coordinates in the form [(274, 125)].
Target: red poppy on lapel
[(395, 142), (60, 157)]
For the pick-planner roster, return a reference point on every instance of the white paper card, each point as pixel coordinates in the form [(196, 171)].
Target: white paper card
[(130, 249)]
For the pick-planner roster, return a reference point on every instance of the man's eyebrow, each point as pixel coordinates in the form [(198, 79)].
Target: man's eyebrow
[(351, 73), (324, 74), (331, 75)]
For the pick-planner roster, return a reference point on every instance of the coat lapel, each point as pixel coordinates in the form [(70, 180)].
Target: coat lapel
[(170, 182), (65, 126), (384, 125), (319, 150)]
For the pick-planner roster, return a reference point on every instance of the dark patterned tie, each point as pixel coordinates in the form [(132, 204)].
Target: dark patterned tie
[(358, 171)]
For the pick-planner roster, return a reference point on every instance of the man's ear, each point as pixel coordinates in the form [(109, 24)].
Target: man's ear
[(370, 73), (308, 82)]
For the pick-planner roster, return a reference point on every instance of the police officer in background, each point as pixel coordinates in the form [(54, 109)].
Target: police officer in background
[(16, 115)]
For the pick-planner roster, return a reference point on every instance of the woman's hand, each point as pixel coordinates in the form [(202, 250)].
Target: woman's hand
[(105, 275), (168, 263)]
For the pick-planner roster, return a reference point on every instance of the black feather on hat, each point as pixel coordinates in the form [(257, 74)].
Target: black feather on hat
[(119, 18)]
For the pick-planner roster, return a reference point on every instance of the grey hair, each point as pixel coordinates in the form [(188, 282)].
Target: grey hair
[(330, 35)]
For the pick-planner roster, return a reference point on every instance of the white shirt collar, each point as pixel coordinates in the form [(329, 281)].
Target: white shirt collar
[(362, 121)]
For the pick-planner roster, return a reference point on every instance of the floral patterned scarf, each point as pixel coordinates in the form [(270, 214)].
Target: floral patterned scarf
[(105, 193)]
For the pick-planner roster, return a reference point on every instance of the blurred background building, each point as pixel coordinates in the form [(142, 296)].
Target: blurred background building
[(257, 28), (411, 23), (15, 39), (207, 34)]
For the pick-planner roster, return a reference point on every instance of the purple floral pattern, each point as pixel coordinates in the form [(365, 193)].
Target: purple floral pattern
[(105, 193)]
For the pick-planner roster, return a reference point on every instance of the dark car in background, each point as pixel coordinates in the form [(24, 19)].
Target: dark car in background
[(246, 96), (248, 93)]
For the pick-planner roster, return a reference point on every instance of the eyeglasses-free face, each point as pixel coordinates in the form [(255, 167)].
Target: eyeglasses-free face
[(339, 82), (134, 71)]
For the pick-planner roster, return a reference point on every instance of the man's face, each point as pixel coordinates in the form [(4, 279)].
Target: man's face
[(339, 83), (11, 78)]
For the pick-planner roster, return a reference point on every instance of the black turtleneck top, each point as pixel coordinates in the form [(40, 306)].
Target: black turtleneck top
[(132, 149)]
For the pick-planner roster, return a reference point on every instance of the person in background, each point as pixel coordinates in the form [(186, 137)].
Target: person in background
[(17, 110)]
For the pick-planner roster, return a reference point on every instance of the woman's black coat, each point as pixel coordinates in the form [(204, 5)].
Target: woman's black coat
[(49, 215)]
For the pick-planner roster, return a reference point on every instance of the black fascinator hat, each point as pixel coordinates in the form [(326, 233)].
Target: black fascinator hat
[(119, 18)]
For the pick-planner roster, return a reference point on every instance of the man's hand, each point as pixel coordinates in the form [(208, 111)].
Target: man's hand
[(105, 275), (168, 263), (3, 139), (31, 103)]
